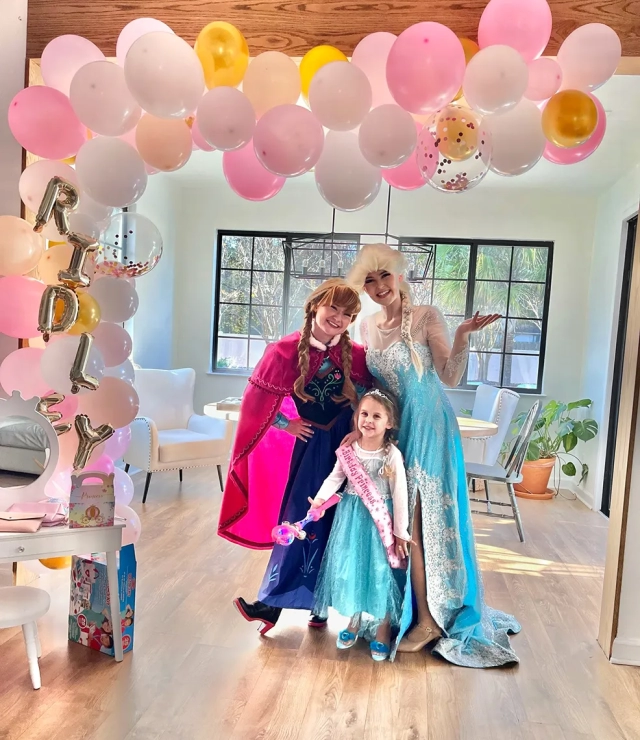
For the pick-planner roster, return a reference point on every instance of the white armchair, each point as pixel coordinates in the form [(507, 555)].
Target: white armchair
[(491, 404), (167, 435)]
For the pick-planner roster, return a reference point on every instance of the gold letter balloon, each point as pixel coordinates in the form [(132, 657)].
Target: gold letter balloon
[(88, 439)]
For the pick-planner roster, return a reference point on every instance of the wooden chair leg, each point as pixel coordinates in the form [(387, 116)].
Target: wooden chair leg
[(516, 511), (146, 488), (29, 632), (180, 472), (126, 468), (220, 478)]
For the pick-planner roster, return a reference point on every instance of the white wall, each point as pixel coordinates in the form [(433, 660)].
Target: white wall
[(491, 213)]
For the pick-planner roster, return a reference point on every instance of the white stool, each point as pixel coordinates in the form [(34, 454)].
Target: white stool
[(21, 606)]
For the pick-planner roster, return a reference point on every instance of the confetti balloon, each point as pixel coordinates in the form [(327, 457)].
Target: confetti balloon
[(456, 133), (130, 246)]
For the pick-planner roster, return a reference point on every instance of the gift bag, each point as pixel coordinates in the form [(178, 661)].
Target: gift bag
[(91, 504), (90, 609)]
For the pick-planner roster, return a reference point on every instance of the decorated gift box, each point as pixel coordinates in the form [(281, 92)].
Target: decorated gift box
[(91, 504)]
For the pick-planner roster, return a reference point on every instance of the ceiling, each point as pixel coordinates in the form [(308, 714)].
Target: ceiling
[(618, 154)]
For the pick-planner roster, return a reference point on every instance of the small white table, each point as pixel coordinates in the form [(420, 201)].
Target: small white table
[(228, 409), (55, 542), (476, 427)]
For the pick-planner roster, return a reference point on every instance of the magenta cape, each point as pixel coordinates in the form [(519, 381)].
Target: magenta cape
[(261, 453)]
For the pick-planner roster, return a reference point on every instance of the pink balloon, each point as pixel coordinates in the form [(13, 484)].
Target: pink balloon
[(19, 306), (68, 447), (525, 25), (132, 32), (133, 528), (247, 177), (63, 57), (370, 55), (226, 118), (425, 67), (115, 402), (545, 78), (123, 487), (118, 443), (43, 122), (288, 140), (407, 176), (114, 343), (427, 154), (67, 407), (199, 140), (59, 485), (104, 464), (20, 371), (559, 155)]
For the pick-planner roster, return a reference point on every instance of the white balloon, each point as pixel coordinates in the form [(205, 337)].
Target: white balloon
[(517, 138), (495, 80), (118, 299), (589, 57), (387, 136), (340, 96), (226, 118), (122, 372)]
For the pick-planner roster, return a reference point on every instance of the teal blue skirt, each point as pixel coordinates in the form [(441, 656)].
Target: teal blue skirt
[(355, 575)]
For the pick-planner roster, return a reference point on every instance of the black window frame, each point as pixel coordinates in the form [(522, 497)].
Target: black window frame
[(473, 244)]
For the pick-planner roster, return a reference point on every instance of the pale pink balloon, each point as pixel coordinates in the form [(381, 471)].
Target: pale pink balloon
[(53, 260), (425, 67), (20, 371), (19, 306), (133, 527), (125, 371), (340, 96), (163, 143), (495, 80), (343, 176), (58, 358), (123, 487), (387, 136), (288, 140), (130, 138), (59, 485), (111, 172), (517, 138), (114, 343), (589, 56), (247, 177), (118, 299), (199, 140), (133, 31), (118, 443), (102, 101), (560, 155), (226, 118), (524, 25), (371, 55), (67, 407), (115, 403), (164, 75), (43, 122), (104, 464), (20, 246), (407, 176), (35, 178), (545, 78), (427, 154), (63, 57)]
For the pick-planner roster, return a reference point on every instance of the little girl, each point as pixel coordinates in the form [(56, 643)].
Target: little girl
[(369, 540)]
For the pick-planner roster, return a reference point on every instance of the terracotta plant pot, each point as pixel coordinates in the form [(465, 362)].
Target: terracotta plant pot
[(535, 479)]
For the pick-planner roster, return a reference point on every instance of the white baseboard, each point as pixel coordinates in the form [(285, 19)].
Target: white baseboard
[(626, 651), (585, 497)]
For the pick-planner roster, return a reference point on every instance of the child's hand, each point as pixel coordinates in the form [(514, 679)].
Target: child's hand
[(351, 438), (402, 547), (316, 504)]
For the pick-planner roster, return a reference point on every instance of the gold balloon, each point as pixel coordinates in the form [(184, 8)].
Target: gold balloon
[(57, 563), (569, 118), (314, 60), (88, 439), (223, 54), (88, 314), (470, 49), (456, 134)]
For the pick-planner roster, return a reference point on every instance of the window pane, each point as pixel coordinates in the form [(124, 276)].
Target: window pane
[(491, 297), (421, 293), (343, 255), (450, 296), (452, 261), (484, 368), (489, 339), (256, 350), (266, 323), (453, 322), (521, 371), (530, 263), (268, 253), (418, 260), (267, 288), (236, 252), (524, 336), (231, 353), (493, 263), (300, 289), (234, 286), (233, 320), (527, 300), (296, 316)]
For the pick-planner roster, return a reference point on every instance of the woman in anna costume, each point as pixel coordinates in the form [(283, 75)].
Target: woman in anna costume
[(271, 478)]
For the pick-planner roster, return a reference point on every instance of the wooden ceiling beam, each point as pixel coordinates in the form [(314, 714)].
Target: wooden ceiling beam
[(295, 27)]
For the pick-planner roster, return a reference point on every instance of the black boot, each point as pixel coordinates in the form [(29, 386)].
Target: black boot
[(258, 612)]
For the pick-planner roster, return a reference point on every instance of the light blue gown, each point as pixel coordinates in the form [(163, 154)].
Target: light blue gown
[(474, 634)]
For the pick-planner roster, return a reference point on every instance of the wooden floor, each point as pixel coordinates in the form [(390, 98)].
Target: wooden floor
[(199, 671)]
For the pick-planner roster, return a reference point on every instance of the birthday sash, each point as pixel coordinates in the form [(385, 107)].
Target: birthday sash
[(372, 499)]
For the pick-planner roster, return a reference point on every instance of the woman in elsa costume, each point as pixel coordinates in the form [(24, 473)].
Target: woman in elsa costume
[(408, 351)]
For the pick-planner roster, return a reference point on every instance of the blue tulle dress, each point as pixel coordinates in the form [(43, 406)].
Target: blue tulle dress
[(474, 634)]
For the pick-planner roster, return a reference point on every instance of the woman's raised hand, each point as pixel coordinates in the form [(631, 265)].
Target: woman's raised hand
[(477, 322)]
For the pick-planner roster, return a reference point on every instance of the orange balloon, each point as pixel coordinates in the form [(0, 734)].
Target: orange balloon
[(569, 118), (54, 259), (163, 143), (57, 563), (470, 49), (456, 134)]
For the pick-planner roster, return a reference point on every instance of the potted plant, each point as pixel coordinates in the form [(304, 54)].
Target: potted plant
[(556, 434)]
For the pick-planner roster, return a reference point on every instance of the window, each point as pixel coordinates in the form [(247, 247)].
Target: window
[(260, 299)]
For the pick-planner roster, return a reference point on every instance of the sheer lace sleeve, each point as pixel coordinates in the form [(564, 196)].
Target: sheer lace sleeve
[(400, 495), (364, 331), (331, 484), (431, 329)]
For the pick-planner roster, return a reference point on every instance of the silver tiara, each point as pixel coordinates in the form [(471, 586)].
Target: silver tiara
[(378, 392)]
